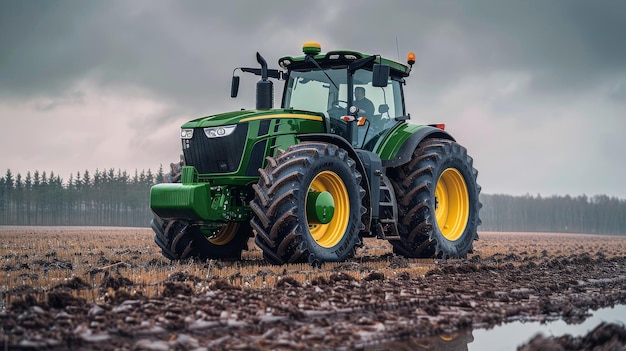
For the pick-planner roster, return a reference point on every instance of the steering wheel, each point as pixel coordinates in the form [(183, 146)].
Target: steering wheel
[(338, 126), (337, 104), (339, 108), (336, 110)]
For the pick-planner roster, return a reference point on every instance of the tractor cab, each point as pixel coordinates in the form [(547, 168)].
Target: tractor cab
[(331, 83)]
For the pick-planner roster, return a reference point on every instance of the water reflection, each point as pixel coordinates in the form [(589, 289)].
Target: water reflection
[(505, 337), (511, 335), (456, 341)]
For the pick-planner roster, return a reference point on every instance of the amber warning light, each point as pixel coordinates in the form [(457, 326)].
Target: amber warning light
[(410, 59)]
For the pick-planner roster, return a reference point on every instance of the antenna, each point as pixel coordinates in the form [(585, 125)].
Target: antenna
[(398, 48)]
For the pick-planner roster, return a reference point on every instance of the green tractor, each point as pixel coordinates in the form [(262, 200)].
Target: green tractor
[(311, 179)]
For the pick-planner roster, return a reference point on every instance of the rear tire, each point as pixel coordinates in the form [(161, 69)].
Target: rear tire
[(285, 229), (438, 201), (178, 241)]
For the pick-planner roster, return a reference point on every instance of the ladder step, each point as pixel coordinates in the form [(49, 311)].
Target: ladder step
[(395, 237)]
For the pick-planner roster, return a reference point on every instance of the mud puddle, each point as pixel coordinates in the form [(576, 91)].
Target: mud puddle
[(509, 336), (512, 335)]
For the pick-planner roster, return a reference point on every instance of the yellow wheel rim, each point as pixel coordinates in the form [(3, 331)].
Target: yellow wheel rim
[(452, 204), (224, 235), (328, 235)]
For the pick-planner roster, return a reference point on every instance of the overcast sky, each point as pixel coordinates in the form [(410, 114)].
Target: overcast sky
[(536, 90)]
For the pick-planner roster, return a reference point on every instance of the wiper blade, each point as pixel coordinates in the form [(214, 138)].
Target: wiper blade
[(311, 59)]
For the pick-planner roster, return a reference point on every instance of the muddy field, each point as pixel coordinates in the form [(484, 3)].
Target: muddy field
[(110, 289)]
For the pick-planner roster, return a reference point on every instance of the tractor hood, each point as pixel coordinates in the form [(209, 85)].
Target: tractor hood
[(236, 117)]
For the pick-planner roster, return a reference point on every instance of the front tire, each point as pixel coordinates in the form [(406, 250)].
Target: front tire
[(308, 205), (178, 241), (438, 201)]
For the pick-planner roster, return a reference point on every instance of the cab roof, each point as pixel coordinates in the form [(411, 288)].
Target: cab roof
[(339, 59)]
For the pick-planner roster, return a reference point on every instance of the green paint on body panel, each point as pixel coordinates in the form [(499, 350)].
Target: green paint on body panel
[(395, 139)]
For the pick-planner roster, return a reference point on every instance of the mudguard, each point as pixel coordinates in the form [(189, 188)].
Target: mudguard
[(397, 148)]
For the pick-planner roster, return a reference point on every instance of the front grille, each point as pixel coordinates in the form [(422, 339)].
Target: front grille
[(215, 155)]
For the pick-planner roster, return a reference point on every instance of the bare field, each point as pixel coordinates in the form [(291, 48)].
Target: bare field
[(110, 288), (44, 257)]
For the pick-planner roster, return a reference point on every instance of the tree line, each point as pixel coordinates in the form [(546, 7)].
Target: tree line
[(599, 214), (104, 198), (117, 198)]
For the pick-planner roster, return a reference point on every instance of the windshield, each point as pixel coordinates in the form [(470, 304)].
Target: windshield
[(314, 91)]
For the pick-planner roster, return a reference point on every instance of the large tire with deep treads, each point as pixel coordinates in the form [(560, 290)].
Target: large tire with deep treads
[(438, 201), (285, 228), (178, 241)]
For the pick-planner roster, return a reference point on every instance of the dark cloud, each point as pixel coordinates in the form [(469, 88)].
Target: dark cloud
[(567, 45), (33, 40), (177, 50), (182, 50)]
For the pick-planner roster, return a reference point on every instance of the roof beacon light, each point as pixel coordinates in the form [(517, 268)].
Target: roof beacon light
[(410, 59), (311, 48)]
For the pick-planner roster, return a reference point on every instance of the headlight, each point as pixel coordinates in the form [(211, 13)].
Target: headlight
[(186, 133), (217, 132)]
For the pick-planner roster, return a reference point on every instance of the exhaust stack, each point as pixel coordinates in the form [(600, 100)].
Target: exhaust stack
[(264, 87)]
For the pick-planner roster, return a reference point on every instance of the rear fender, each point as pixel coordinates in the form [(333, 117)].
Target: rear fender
[(398, 147)]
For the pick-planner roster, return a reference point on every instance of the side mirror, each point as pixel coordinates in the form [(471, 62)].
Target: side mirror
[(380, 75), (234, 87)]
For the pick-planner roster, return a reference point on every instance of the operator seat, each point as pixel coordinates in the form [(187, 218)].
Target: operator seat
[(383, 110), (380, 119)]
